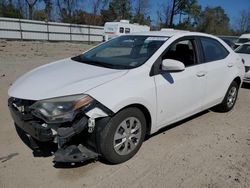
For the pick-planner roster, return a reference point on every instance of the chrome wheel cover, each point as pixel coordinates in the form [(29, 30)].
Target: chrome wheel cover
[(231, 97)]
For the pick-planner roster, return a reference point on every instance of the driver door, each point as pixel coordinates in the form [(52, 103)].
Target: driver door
[(180, 94)]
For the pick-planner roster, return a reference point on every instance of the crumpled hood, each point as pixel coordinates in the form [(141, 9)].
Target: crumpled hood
[(246, 57), (61, 78)]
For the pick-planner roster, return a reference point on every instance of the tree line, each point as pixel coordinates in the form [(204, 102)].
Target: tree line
[(179, 14)]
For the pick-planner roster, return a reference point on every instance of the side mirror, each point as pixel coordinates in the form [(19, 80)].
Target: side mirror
[(172, 65)]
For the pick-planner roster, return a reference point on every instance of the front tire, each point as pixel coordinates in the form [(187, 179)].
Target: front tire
[(229, 99), (122, 137)]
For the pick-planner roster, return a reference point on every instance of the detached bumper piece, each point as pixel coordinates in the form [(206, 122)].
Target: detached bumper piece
[(74, 154)]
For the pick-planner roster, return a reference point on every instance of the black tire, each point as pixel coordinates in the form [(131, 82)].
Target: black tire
[(106, 140), (224, 106)]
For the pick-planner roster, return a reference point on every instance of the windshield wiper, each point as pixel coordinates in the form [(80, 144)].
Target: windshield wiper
[(100, 64)]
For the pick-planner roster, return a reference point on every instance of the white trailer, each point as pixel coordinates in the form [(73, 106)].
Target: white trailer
[(114, 29)]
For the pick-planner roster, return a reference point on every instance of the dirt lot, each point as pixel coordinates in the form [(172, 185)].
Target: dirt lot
[(210, 150)]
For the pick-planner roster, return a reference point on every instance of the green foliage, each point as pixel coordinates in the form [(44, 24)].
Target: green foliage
[(48, 9), (140, 18), (67, 8), (82, 17), (9, 10), (117, 10), (40, 15), (214, 21), (141, 12)]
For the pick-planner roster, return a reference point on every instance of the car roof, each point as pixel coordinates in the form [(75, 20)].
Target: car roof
[(246, 35), (170, 33)]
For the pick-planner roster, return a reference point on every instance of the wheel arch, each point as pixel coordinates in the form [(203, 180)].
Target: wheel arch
[(146, 113), (238, 81)]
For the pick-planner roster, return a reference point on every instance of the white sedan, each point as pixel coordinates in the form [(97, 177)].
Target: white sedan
[(103, 102), (244, 52)]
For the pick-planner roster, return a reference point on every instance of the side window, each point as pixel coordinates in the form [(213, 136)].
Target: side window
[(183, 51), (121, 29), (213, 50), (127, 30)]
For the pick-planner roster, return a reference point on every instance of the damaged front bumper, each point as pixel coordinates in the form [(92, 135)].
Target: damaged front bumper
[(75, 140)]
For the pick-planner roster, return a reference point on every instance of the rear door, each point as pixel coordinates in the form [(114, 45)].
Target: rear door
[(180, 94), (218, 65)]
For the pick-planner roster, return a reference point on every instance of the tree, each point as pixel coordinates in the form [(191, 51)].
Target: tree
[(67, 9), (82, 17), (163, 15), (40, 15), (8, 9), (117, 10), (97, 6), (141, 11), (214, 21), (192, 13), (31, 4), (190, 8), (48, 9), (244, 21)]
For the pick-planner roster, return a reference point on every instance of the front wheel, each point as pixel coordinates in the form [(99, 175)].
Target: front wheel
[(123, 135), (229, 99)]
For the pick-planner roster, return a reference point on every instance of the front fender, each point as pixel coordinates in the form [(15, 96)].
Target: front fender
[(136, 87)]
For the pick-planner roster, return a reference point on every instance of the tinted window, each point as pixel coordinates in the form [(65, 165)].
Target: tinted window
[(182, 51), (244, 49), (213, 50), (121, 30), (127, 30), (243, 40)]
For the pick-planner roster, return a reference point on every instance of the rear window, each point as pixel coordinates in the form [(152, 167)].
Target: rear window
[(244, 49), (213, 50), (243, 40)]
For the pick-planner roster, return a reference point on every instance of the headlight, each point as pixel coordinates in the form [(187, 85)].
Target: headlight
[(61, 109)]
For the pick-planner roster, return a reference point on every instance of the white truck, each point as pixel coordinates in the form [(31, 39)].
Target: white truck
[(114, 29)]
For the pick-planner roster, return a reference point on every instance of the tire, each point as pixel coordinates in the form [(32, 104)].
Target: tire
[(229, 99), (123, 135)]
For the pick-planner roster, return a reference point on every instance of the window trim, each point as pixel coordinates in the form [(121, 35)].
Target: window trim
[(155, 69), (203, 51), (128, 29), (122, 29)]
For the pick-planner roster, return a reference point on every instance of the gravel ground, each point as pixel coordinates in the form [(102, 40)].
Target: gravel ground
[(209, 150)]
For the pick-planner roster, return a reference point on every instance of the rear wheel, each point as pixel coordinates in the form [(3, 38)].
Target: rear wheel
[(123, 135), (230, 98)]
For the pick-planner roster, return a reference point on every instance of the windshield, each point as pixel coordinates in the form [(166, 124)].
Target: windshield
[(243, 40), (244, 49), (124, 52)]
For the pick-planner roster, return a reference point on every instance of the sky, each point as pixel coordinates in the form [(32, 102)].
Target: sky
[(231, 7)]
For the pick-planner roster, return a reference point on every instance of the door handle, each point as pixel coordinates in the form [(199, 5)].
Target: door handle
[(201, 74), (230, 65)]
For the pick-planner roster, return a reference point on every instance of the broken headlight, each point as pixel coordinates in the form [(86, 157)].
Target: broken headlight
[(61, 109)]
